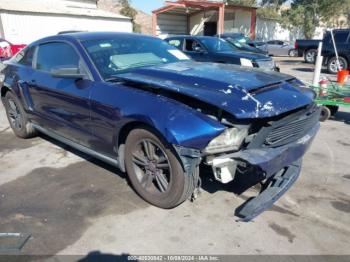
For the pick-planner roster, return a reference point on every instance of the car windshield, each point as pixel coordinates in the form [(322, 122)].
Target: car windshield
[(123, 54), (214, 44), (235, 42)]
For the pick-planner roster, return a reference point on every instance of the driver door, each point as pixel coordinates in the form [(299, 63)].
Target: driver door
[(62, 104)]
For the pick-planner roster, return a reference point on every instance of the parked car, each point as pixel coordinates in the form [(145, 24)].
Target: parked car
[(240, 42), (280, 48), (142, 105), (7, 49), (307, 49), (341, 37), (342, 41), (217, 50)]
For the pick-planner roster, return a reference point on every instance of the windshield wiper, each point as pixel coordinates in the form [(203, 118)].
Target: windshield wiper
[(115, 79)]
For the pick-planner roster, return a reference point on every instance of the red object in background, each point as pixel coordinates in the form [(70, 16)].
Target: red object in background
[(346, 99), (323, 87), (7, 49), (342, 76)]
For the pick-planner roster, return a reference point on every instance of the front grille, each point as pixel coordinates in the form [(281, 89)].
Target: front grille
[(286, 130), (289, 131)]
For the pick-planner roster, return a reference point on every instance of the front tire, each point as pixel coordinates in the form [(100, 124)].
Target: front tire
[(155, 172), (332, 64), (17, 117)]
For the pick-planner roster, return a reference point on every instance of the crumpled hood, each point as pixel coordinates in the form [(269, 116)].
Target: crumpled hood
[(243, 92)]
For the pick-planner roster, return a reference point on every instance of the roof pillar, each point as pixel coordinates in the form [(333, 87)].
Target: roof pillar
[(221, 21), (154, 24), (253, 24)]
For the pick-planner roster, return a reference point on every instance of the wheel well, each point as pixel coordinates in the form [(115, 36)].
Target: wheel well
[(345, 58), (4, 90), (123, 135), (124, 132), (308, 49), (340, 56)]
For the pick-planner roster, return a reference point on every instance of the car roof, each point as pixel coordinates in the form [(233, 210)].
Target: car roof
[(231, 35), (191, 37), (85, 36)]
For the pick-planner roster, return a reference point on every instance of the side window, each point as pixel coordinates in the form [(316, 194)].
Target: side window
[(341, 37), (25, 57), (176, 43), (56, 54), (192, 45)]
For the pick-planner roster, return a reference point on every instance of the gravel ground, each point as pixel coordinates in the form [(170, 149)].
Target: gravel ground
[(72, 204)]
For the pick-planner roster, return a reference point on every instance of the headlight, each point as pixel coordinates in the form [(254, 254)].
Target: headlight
[(231, 139), (246, 62)]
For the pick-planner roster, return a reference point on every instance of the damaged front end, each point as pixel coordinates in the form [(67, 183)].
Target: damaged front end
[(272, 153), (267, 123)]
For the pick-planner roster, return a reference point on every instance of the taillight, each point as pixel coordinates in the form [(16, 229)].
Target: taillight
[(296, 45)]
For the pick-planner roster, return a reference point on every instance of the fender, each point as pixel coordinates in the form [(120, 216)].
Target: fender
[(178, 123)]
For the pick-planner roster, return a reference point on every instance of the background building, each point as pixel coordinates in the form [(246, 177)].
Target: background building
[(197, 17), (23, 21)]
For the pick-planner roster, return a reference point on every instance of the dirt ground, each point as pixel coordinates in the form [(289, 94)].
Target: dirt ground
[(73, 204)]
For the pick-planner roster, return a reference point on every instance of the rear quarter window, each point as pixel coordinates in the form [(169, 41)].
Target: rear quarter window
[(25, 57)]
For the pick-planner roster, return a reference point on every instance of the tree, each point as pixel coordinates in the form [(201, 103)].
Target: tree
[(129, 11), (309, 14), (242, 2), (273, 4)]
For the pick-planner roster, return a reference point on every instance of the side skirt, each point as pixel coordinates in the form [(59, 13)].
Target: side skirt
[(88, 151)]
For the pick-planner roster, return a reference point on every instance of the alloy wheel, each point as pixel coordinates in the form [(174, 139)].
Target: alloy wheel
[(15, 115), (310, 57), (334, 67), (152, 166)]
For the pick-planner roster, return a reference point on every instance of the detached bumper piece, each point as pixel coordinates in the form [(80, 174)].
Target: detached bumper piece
[(272, 190)]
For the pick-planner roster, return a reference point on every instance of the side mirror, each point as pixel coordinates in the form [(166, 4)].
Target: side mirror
[(68, 72)]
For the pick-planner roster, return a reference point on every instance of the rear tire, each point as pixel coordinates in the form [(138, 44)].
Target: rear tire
[(325, 114), (310, 56), (156, 173), (292, 53), (17, 117)]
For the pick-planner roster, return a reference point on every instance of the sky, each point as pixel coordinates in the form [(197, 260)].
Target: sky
[(147, 6)]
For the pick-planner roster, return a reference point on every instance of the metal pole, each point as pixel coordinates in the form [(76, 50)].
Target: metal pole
[(335, 50), (318, 65)]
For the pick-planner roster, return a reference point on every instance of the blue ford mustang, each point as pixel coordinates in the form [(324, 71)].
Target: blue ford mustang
[(142, 105)]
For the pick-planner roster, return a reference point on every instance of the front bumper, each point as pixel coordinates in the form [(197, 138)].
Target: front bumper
[(273, 189), (281, 164), (269, 160)]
